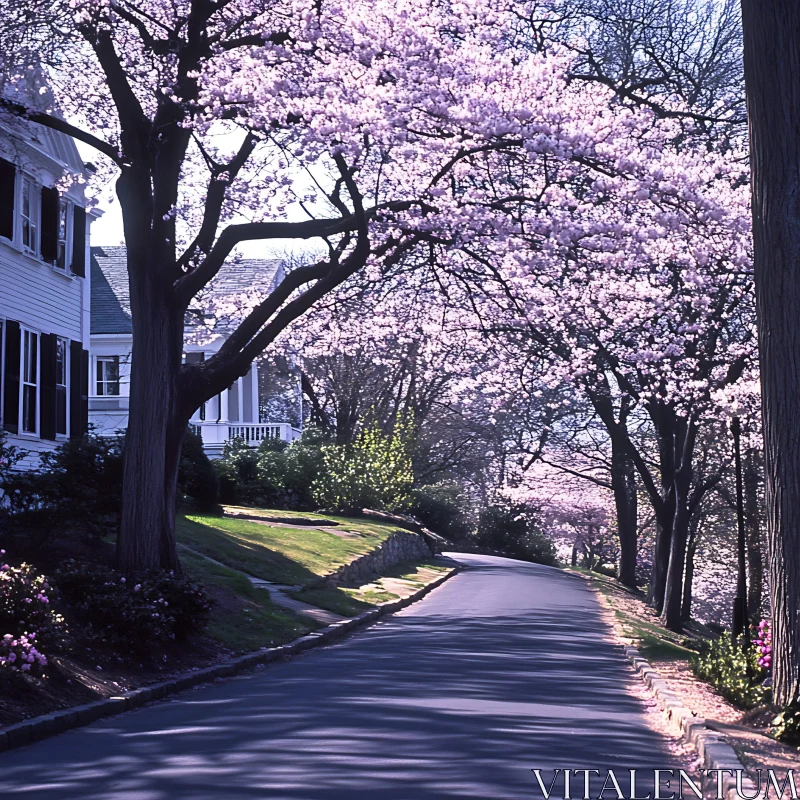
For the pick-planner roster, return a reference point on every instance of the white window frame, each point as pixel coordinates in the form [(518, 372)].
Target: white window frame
[(61, 341), (26, 335), (34, 218), (104, 381), (67, 206)]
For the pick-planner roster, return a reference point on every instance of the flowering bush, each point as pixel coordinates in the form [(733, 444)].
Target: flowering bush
[(733, 670), (137, 614), (763, 644), (27, 617), (20, 653)]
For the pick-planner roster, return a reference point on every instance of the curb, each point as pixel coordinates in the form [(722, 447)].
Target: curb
[(38, 728), (711, 746), (713, 749)]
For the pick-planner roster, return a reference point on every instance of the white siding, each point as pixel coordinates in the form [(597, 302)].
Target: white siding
[(38, 296)]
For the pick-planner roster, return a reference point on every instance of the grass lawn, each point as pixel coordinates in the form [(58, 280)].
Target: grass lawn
[(349, 602), (280, 554), (655, 642), (243, 618)]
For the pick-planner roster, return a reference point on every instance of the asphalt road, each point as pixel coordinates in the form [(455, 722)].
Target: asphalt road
[(504, 668)]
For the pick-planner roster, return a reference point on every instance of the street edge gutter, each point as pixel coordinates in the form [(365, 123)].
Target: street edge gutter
[(47, 725), (712, 747)]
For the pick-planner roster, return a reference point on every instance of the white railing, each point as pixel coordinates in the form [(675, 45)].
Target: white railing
[(217, 433)]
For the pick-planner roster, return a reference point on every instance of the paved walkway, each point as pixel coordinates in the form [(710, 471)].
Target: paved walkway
[(503, 669)]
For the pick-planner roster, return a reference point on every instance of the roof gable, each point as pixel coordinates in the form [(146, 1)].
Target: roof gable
[(110, 293)]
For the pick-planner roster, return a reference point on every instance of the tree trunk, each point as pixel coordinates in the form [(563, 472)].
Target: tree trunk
[(663, 418), (688, 575), (755, 554), (623, 484), (156, 425), (772, 73), (673, 590), (658, 574), (683, 438), (740, 619)]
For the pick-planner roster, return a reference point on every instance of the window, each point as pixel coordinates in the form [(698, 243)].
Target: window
[(61, 386), (30, 381), (63, 234), (29, 215), (108, 376)]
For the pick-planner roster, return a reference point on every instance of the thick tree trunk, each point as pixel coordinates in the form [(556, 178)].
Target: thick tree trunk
[(772, 73), (623, 484), (755, 553), (740, 617), (688, 575), (156, 425)]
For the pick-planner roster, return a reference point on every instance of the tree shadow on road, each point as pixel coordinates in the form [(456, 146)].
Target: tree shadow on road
[(425, 705)]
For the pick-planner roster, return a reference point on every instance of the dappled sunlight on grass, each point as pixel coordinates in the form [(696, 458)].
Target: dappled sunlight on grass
[(279, 554), (243, 618)]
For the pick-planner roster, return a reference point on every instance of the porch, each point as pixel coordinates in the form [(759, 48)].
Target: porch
[(215, 434)]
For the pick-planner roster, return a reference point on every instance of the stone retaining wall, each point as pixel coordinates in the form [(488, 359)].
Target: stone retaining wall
[(399, 547)]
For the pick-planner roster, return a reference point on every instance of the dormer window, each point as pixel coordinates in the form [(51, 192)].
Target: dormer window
[(29, 215)]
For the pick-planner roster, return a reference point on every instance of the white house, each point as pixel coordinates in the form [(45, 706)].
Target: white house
[(44, 290), (235, 413)]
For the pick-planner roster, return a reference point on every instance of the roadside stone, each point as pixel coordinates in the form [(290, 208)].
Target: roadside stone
[(400, 546)]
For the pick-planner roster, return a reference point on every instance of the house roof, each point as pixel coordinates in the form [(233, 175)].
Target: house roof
[(110, 295)]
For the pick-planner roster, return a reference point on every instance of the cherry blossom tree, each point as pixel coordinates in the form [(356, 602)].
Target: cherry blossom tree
[(207, 111)]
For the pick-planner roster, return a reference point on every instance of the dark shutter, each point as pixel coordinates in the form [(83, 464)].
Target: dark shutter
[(47, 392), (50, 201), (84, 419), (11, 377), (8, 175), (79, 242), (75, 390)]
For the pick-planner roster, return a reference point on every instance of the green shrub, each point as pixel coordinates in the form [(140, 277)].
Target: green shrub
[(302, 467), (137, 615), (375, 471), (514, 528), (732, 670), (786, 726), (78, 488), (275, 474), (9, 457), (197, 480), (444, 508), (237, 471)]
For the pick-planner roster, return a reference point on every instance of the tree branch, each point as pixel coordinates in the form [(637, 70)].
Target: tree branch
[(56, 124)]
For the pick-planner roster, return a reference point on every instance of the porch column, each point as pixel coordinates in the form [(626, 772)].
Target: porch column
[(254, 393), (240, 398), (223, 411)]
